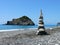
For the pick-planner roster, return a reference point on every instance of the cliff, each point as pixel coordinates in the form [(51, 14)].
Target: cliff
[(24, 20), (58, 24)]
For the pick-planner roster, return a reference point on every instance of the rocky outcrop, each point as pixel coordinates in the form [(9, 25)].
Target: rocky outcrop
[(58, 24), (24, 20)]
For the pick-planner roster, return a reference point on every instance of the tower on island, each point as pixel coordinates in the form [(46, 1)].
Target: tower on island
[(41, 28)]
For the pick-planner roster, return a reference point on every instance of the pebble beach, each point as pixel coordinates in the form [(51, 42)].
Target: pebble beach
[(29, 37)]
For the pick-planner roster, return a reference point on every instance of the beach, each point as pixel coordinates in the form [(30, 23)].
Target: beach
[(29, 37)]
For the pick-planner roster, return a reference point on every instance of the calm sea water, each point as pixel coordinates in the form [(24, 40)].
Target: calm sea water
[(4, 27)]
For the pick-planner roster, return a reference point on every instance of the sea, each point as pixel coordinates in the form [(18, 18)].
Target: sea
[(7, 27)]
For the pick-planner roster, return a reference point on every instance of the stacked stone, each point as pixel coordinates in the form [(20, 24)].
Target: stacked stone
[(41, 28)]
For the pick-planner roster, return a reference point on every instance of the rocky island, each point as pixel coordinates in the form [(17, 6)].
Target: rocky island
[(24, 20), (58, 24)]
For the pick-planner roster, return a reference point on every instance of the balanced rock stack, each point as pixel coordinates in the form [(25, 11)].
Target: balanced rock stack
[(41, 28)]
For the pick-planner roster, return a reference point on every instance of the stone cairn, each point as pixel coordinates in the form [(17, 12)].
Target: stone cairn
[(41, 28)]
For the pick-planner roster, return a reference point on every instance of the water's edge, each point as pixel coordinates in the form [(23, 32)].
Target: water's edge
[(14, 27)]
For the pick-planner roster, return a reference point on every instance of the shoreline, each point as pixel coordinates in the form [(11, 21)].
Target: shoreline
[(29, 37), (16, 29)]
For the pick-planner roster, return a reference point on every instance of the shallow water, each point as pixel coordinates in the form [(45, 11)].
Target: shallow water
[(4, 27)]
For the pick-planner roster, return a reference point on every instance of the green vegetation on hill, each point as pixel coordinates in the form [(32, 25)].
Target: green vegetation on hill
[(24, 20)]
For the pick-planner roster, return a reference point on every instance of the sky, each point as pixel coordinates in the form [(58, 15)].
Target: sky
[(10, 9)]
